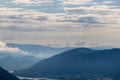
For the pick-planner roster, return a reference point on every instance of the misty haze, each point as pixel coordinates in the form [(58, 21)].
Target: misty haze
[(59, 39)]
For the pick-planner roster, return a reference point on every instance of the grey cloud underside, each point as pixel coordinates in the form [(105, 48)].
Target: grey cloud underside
[(57, 6)]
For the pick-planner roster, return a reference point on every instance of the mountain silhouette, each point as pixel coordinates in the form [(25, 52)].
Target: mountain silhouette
[(5, 75), (80, 61)]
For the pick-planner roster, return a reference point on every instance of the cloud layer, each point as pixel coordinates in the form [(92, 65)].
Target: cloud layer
[(60, 21)]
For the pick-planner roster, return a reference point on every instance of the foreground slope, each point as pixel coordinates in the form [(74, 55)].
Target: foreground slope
[(4, 75), (80, 61)]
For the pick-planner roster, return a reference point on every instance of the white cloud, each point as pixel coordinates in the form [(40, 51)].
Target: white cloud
[(22, 1), (11, 50), (29, 2), (3, 47), (108, 2), (74, 2)]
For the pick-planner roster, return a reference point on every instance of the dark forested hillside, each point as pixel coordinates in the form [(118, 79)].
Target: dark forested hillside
[(4, 75), (80, 61)]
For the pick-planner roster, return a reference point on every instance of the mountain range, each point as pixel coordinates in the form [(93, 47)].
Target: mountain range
[(81, 62), (27, 56), (30, 54)]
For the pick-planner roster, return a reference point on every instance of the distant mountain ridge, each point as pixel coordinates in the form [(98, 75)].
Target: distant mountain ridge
[(102, 47), (80, 61), (29, 47), (39, 49)]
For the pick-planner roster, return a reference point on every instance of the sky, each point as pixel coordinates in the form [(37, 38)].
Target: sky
[(60, 23)]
